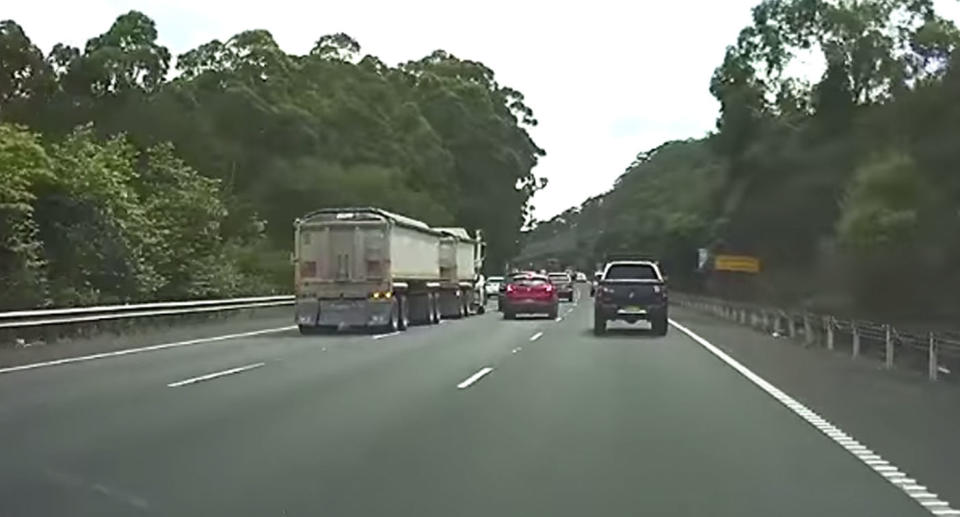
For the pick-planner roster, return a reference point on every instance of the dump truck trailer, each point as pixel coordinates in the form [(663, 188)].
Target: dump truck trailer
[(461, 286), (365, 267)]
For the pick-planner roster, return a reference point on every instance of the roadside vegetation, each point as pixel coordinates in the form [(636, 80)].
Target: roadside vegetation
[(846, 186), (126, 174)]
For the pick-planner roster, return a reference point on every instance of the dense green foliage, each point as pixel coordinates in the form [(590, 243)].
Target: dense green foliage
[(128, 176), (846, 187)]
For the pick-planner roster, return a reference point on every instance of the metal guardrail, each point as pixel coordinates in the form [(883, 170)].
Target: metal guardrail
[(78, 315), (884, 341)]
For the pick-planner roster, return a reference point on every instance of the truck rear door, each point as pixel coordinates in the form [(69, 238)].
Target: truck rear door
[(343, 253)]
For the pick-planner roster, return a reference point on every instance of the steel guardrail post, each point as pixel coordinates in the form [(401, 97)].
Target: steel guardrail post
[(933, 368), (807, 330), (828, 326), (856, 340), (888, 346)]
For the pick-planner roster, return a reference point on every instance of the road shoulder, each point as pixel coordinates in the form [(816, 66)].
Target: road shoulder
[(913, 423)]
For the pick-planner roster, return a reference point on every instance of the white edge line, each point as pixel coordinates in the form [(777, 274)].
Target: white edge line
[(151, 348), (214, 375), (388, 334), (889, 472), (474, 378), (536, 336)]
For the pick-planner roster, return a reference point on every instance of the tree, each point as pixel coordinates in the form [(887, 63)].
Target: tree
[(24, 75), (126, 57), (23, 163)]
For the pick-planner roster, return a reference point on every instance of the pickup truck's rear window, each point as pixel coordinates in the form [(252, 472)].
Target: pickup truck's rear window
[(631, 272)]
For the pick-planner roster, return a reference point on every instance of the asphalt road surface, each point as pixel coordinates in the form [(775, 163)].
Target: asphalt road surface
[(477, 417)]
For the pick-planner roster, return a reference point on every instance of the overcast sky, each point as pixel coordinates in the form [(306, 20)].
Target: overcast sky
[(606, 79)]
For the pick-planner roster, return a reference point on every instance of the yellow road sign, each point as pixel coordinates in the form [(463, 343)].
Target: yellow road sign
[(739, 263)]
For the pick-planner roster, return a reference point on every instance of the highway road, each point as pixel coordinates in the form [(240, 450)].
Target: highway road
[(476, 417)]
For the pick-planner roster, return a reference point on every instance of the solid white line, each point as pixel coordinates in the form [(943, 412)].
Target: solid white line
[(888, 471), (536, 336), (151, 348), (214, 375), (388, 334), (474, 378)]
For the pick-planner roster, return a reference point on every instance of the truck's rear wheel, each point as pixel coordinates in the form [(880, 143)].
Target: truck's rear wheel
[(434, 309), (394, 324), (404, 312)]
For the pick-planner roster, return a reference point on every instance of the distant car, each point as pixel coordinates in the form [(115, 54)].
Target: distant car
[(564, 285), (631, 291), (581, 277), (492, 287), (529, 293)]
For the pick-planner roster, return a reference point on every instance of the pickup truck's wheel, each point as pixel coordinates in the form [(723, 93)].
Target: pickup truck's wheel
[(660, 326), (599, 325)]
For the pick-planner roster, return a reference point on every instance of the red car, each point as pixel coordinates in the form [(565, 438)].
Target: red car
[(529, 293)]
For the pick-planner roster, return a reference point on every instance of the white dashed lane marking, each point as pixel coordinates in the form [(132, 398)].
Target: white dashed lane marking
[(474, 378), (892, 474), (151, 348), (214, 375)]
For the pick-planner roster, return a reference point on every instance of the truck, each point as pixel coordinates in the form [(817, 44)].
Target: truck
[(461, 285), (367, 267)]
